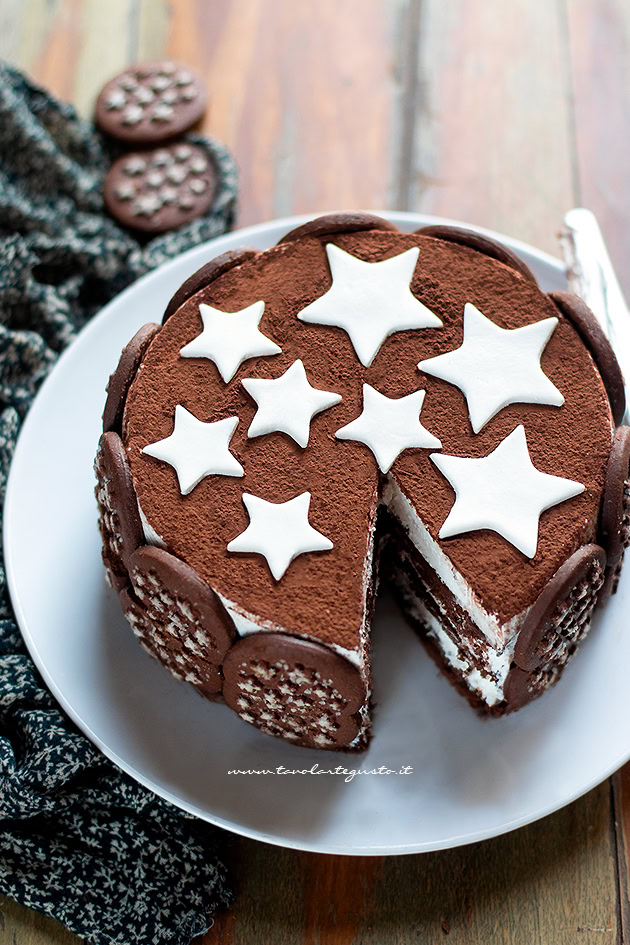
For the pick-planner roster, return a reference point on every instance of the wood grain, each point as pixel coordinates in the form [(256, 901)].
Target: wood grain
[(599, 42), (551, 883), (492, 134), (20, 926), (621, 813), (306, 112), (598, 36)]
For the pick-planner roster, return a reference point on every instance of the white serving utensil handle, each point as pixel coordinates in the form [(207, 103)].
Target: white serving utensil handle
[(591, 275)]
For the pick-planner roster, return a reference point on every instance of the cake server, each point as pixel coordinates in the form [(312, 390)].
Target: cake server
[(591, 275)]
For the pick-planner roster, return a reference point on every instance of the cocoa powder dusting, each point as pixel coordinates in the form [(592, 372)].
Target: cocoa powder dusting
[(321, 594)]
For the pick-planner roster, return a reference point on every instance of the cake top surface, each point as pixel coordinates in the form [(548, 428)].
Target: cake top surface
[(454, 298)]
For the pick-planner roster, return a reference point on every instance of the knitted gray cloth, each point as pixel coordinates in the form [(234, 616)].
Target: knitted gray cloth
[(79, 840)]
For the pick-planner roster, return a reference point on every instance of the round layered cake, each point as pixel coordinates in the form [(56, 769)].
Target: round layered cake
[(358, 403)]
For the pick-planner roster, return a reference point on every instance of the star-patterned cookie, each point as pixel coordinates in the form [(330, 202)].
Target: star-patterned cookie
[(151, 102), (287, 404), (370, 301), (389, 425), (280, 531), (503, 492), (196, 449), (161, 189), (495, 366), (229, 338)]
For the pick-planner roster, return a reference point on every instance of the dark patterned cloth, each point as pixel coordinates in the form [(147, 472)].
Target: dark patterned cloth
[(79, 840)]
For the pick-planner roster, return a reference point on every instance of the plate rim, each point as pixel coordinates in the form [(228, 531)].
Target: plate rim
[(240, 235)]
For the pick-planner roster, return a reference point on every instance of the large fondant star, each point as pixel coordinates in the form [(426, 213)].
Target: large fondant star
[(229, 338), (389, 425), (287, 403), (196, 449), (497, 366), (280, 531), (370, 301), (503, 492)]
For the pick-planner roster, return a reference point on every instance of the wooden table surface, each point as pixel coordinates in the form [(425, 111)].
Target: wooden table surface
[(500, 112)]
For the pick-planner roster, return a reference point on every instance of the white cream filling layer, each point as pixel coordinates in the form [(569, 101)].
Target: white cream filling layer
[(488, 684), (247, 623), (150, 535), (496, 633)]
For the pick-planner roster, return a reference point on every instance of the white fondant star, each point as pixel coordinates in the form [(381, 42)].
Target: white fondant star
[(115, 100), (287, 403), (132, 114), (162, 112), (503, 492), (497, 366), (196, 449), (389, 425), (280, 531), (370, 301), (146, 205), (229, 338)]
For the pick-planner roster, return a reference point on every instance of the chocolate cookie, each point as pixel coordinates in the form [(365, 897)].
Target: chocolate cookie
[(561, 615), (120, 381), (119, 522), (614, 523), (338, 223), (117, 580), (164, 647), (483, 244), (522, 687), (592, 334), (151, 102), (294, 688), (181, 605), (207, 274), (161, 189)]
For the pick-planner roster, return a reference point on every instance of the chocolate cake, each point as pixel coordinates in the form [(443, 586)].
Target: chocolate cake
[(357, 403)]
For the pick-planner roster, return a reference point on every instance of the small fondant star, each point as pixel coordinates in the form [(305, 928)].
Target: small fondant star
[(503, 492), (143, 95), (389, 425), (177, 174), (497, 366), (135, 166), (115, 100), (280, 531), (287, 403), (162, 112), (196, 449), (132, 114), (146, 205), (370, 301), (229, 338), (125, 190)]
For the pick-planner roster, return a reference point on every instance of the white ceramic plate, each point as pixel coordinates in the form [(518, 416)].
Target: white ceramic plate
[(471, 778)]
